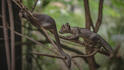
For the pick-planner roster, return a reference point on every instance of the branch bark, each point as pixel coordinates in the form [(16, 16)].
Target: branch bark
[(88, 19), (100, 13), (48, 55), (34, 6), (5, 30), (88, 24), (11, 18)]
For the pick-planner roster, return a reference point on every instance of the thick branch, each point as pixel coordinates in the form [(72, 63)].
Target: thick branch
[(100, 13), (11, 18), (88, 19)]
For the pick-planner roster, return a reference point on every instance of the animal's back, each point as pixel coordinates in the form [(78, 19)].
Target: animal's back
[(85, 32), (45, 20)]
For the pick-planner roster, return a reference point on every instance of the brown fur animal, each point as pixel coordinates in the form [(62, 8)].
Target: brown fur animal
[(86, 35)]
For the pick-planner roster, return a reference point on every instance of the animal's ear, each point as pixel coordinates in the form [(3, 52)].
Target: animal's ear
[(63, 26), (67, 24)]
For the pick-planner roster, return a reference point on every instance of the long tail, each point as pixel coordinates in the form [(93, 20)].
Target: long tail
[(68, 58), (58, 41)]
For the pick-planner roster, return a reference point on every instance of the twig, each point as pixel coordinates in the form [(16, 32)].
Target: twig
[(88, 19), (89, 55), (64, 58), (100, 13), (5, 31), (52, 56), (34, 6), (37, 42), (34, 41), (12, 34)]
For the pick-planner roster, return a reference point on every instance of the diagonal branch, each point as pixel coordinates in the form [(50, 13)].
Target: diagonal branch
[(37, 42), (5, 31), (31, 39), (92, 54), (48, 55), (88, 20), (34, 6), (100, 13), (36, 23)]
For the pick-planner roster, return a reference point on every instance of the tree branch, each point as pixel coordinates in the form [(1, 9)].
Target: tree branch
[(34, 6), (92, 54), (11, 18), (52, 56), (88, 20), (100, 13)]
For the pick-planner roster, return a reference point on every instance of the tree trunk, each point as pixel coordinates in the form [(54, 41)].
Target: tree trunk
[(18, 48)]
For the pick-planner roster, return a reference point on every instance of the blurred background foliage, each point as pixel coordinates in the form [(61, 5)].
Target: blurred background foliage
[(72, 11)]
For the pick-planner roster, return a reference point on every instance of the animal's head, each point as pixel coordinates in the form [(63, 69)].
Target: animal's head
[(65, 28)]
